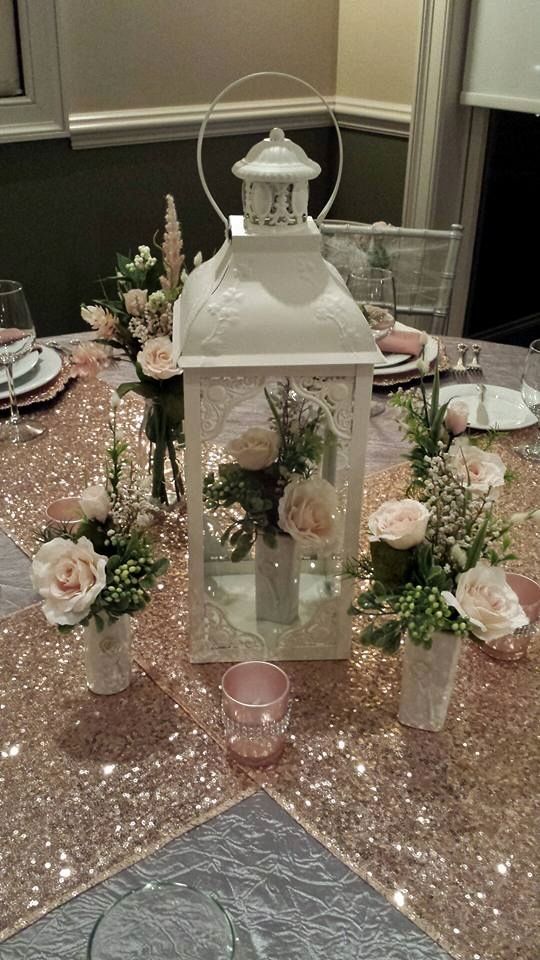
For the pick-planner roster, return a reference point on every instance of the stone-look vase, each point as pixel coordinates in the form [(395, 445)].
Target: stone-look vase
[(277, 580), (427, 681), (108, 656)]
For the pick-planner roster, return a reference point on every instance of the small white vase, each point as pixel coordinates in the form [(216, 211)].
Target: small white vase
[(108, 656), (277, 580), (427, 681)]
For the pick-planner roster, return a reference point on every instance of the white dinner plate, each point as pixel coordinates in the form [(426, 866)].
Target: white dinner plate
[(500, 409), (392, 359), (46, 369), (21, 367)]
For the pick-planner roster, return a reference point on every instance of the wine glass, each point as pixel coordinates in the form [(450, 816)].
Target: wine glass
[(374, 291), (530, 391), (17, 335)]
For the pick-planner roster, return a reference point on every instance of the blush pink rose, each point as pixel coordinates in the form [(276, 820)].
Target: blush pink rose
[(69, 576), (156, 359), (308, 512), (401, 524)]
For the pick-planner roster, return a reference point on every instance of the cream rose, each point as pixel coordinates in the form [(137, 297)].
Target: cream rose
[(255, 449), (457, 414), (399, 523), (95, 503), (484, 596), (156, 359), (479, 470), (135, 301), (69, 576), (101, 320), (308, 512)]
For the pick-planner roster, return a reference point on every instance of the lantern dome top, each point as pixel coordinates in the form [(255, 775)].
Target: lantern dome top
[(276, 159)]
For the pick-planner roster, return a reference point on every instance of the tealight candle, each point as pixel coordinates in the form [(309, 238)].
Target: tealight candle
[(255, 709), (65, 514), (513, 646)]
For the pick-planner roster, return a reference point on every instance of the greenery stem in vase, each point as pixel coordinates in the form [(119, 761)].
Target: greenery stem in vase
[(434, 567), (100, 572), (136, 316)]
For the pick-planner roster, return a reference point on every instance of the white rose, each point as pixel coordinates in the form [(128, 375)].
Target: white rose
[(477, 469), (135, 301), (484, 595), (399, 523), (308, 512), (255, 449), (69, 576), (156, 359), (457, 415), (95, 503)]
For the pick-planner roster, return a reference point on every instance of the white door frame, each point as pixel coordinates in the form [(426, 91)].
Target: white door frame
[(447, 142)]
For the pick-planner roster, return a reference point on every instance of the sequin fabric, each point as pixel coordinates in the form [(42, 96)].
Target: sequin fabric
[(445, 825), (89, 784)]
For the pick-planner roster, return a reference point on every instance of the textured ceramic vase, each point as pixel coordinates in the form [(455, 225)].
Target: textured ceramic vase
[(427, 681), (108, 656), (277, 580)]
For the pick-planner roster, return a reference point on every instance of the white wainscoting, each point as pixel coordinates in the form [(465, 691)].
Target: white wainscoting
[(116, 127)]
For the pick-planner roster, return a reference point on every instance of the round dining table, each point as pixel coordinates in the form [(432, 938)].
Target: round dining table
[(289, 897)]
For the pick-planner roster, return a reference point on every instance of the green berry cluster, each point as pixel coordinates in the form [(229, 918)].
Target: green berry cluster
[(131, 572), (422, 610)]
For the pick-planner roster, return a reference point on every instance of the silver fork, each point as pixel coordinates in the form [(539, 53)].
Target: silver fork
[(474, 366), (460, 368)]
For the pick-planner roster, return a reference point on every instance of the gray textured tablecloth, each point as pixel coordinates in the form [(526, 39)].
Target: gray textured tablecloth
[(288, 896)]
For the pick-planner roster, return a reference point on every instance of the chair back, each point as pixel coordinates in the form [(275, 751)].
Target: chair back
[(423, 263)]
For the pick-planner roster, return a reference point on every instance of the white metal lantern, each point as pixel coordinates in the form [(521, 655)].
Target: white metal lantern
[(278, 363)]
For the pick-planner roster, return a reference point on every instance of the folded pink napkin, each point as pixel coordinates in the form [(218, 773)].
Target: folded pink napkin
[(402, 341)]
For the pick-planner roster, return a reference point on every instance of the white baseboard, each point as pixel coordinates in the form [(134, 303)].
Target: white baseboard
[(117, 127)]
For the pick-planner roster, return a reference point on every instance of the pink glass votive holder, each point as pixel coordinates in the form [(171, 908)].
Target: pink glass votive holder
[(256, 709), (513, 646), (65, 514)]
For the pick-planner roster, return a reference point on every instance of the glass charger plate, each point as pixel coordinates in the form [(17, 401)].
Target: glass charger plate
[(46, 392), (499, 409), (165, 921)]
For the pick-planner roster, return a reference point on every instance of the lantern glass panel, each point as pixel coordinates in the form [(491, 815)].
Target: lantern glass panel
[(279, 595)]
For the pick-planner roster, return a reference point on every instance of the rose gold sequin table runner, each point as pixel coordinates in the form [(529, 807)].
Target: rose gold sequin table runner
[(445, 825)]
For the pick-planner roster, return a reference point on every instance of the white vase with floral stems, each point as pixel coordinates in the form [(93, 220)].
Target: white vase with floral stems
[(277, 579), (427, 680), (108, 656)]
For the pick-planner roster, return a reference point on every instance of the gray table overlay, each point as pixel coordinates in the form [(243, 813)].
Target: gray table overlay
[(288, 896)]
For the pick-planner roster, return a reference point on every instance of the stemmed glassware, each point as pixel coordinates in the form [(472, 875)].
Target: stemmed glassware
[(17, 335), (530, 391), (374, 291)]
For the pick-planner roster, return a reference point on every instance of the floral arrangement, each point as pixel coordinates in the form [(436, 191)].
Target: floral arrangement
[(137, 317), (435, 560), (272, 478), (105, 568)]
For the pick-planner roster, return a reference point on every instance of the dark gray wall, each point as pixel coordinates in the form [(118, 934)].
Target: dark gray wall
[(65, 213)]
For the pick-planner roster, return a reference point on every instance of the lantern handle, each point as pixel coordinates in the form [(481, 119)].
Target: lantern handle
[(215, 101)]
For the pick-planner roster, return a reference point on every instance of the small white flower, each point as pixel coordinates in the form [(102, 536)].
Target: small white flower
[(115, 401), (422, 367)]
